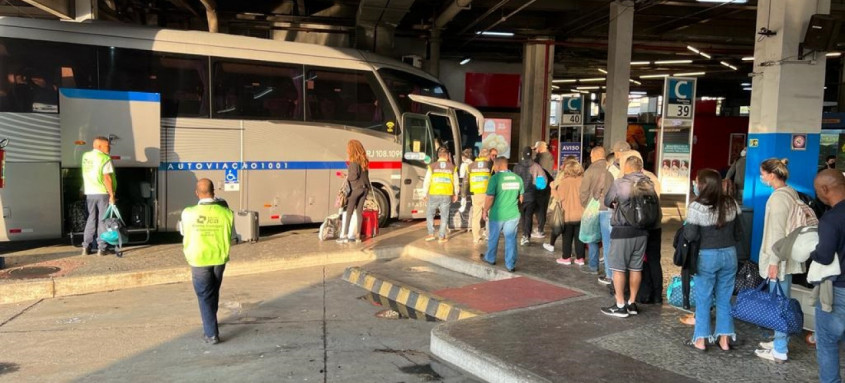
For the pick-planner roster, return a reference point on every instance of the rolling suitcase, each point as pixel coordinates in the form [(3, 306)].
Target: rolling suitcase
[(246, 226), (458, 220), (369, 224)]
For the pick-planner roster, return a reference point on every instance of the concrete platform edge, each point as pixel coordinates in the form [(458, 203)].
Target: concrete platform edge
[(475, 362), (27, 290), (473, 269), (405, 295)]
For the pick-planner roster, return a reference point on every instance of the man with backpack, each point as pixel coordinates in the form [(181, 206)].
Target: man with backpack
[(534, 179), (636, 210)]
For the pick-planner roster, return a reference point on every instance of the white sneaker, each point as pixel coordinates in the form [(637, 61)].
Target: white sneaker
[(537, 234), (549, 247), (523, 241), (564, 261), (767, 345), (769, 355)]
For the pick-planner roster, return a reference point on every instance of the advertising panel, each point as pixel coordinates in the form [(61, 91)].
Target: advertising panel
[(497, 134)]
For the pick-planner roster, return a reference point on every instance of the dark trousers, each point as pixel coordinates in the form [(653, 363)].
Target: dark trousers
[(570, 234), (97, 205), (356, 206), (542, 209), (207, 281), (527, 215), (651, 288)]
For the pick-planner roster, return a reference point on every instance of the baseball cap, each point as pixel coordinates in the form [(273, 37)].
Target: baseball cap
[(620, 146), (527, 153)]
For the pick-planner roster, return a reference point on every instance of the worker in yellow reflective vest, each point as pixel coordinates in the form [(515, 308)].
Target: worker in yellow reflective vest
[(479, 177), (207, 233), (99, 187), (441, 190)]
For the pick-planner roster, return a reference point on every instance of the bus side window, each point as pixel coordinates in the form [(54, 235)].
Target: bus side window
[(258, 91), (347, 98), (31, 72), (181, 80)]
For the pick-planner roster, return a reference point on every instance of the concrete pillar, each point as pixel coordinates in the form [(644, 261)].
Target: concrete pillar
[(620, 41), (434, 53), (786, 100), (537, 65)]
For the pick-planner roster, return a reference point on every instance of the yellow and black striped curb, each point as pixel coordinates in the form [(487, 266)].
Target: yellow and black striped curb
[(408, 299)]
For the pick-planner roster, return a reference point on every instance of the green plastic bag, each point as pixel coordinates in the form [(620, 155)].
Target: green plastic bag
[(115, 229), (590, 229)]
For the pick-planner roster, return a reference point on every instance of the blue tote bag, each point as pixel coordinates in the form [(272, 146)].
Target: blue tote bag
[(769, 309)]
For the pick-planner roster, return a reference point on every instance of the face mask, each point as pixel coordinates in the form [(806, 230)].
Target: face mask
[(695, 189)]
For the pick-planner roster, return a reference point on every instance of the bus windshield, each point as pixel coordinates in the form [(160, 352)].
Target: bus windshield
[(400, 84)]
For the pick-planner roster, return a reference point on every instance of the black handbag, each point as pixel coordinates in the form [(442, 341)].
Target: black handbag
[(686, 252), (747, 277)]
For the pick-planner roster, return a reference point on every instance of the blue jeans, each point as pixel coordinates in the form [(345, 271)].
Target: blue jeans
[(435, 202), (97, 205), (716, 276), (830, 331), (604, 224), (207, 281), (509, 228), (781, 341)]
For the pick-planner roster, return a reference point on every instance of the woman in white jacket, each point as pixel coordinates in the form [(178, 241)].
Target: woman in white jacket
[(774, 173)]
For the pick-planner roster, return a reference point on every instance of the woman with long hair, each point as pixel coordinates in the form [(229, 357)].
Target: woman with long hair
[(566, 192), (713, 221), (358, 175), (774, 173)]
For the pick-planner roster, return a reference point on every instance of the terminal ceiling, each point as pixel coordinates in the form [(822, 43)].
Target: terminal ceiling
[(662, 29)]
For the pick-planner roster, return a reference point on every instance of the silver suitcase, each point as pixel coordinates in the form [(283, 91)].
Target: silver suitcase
[(246, 226)]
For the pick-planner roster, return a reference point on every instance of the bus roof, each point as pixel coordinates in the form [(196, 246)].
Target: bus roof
[(103, 33)]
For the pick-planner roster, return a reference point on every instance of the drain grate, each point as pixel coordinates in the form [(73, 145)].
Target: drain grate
[(32, 272)]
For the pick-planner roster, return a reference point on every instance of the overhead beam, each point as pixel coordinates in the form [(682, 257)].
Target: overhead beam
[(63, 9)]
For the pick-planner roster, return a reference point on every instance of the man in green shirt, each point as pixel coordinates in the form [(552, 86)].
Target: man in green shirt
[(501, 210), (207, 233), (99, 184)]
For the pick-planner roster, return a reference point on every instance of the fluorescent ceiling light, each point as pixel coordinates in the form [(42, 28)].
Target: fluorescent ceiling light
[(690, 74), (748, 89), (640, 62), (565, 81), (723, 1), (466, 61), (555, 87), (834, 54), (693, 49), (705, 55), (635, 82), (745, 84), (603, 71), (596, 79), (673, 62), (639, 93), (655, 76), (494, 33), (727, 65), (588, 87), (751, 58)]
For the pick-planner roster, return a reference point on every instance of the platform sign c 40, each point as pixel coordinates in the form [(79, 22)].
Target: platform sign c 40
[(572, 111), (679, 94)]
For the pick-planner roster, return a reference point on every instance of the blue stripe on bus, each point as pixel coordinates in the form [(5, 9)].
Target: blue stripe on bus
[(110, 95), (253, 165)]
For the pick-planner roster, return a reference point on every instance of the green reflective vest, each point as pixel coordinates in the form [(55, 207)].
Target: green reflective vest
[(92, 172), (207, 234)]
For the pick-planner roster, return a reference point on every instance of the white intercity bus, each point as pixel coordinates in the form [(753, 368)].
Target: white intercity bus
[(267, 121)]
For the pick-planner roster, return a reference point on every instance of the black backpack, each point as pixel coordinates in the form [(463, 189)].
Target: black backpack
[(642, 209)]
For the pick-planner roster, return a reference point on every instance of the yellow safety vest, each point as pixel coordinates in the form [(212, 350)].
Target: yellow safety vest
[(92, 172), (443, 175), (207, 231), (479, 175)]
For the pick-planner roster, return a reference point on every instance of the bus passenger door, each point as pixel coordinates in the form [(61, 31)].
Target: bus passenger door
[(417, 153)]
